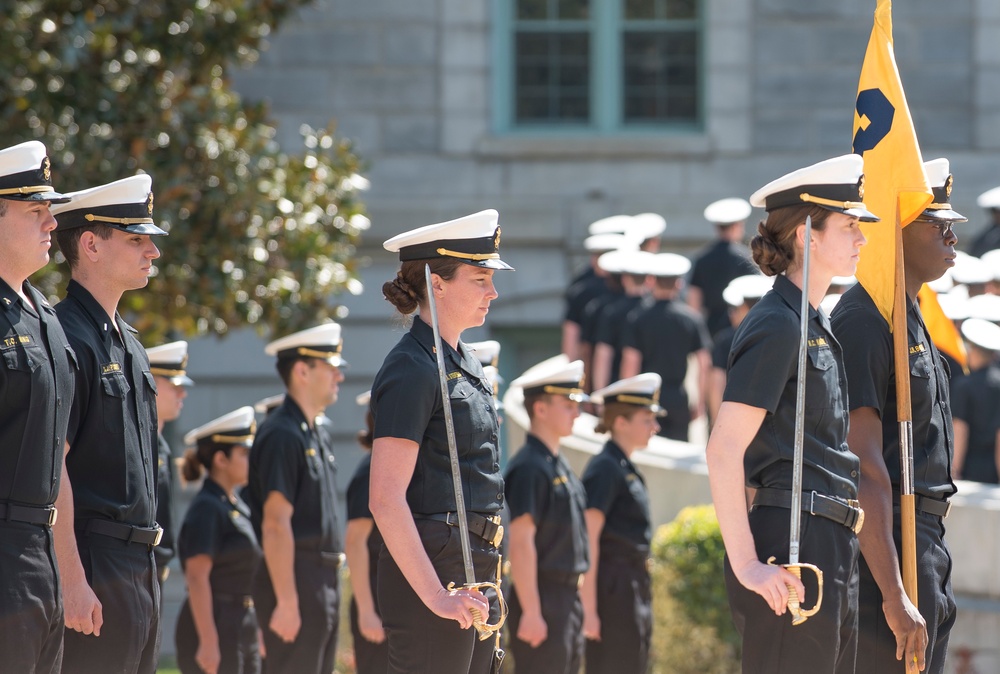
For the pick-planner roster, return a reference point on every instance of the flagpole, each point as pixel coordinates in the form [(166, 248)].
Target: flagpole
[(904, 414)]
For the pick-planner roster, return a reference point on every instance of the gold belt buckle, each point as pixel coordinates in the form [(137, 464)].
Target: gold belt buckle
[(53, 516), (159, 536), (860, 521)]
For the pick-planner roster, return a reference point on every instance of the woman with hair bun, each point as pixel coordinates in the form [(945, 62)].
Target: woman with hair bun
[(753, 439), (413, 500), (217, 630)]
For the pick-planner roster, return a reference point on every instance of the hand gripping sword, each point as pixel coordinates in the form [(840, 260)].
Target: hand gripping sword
[(484, 629), (799, 614)]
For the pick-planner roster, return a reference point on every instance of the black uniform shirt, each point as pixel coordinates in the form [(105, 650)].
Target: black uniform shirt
[(721, 345), (617, 489), (592, 312), (358, 492), (406, 403), (296, 461), (712, 271), (221, 529), (585, 287), (763, 370), (543, 485), (976, 401), (36, 394), (164, 552), (112, 426), (666, 332), (610, 328), (871, 377)]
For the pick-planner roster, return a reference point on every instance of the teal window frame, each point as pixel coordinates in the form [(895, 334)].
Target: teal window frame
[(607, 97)]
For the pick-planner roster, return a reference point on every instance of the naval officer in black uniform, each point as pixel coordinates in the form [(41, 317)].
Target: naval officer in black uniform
[(753, 439), (105, 541), (412, 497), (36, 387), (363, 543), (217, 630), (616, 592), (547, 533), (292, 496), (975, 401), (890, 629), (168, 363)]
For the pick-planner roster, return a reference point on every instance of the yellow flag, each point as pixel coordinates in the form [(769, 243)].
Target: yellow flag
[(940, 328), (895, 184)]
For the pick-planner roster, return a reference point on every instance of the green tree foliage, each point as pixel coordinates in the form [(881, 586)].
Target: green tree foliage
[(693, 631), (114, 87)]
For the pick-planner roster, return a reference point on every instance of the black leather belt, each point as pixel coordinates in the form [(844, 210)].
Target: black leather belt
[(848, 513), (333, 560), (44, 515), (487, 528), (926, 505), (125, 532), (244, 599)]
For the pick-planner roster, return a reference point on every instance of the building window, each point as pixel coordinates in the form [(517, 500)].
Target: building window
[(604, 65)]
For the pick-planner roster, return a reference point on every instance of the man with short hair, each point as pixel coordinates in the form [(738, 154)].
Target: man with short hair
[(548, 533), (292, 496), (36, 387), (105, 538)]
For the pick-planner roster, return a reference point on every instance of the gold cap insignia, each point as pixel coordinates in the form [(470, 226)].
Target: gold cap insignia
[(46, 169), (149, 203), (861, 188), (947, 185), (496, 240)]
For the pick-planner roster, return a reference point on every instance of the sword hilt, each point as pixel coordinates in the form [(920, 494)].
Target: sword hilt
[(484, 629), (799, 614)]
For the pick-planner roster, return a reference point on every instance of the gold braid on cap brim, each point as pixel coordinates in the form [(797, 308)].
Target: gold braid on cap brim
[(323, 355), (805, 196), (939, 207), (90, 217), (232, 439), (162, 372), (561, 390), (468, 256), (33, 189), (637, 400)]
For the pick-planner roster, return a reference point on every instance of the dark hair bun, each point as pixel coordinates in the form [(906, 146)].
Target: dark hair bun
[(401, 295), (769, 255)]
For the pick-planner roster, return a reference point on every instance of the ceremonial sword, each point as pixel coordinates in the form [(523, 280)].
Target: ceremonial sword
[(484, 629), (799, 614)]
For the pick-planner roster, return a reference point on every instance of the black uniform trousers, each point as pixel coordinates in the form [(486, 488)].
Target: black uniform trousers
[(31, 609), (876, 643), (236, 623), (826, 642), (314, 649), (562, 650), (369, 657), (420, 641), (624, 605), (123, 576)]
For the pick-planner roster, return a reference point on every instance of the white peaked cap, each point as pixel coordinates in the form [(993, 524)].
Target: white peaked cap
[(170, 361), (646, 226), (749, 287), (937, 172), (614, 261), (939, 179), (322, 341), (26, 174), (125, 204), (986, 307), (943, 284), (634, 261), (473, 239), (603, 243), (237, 427), (642, 390), (363, 399), (728, 211), (984, 334), (991, 259), (487, 352), (667, 264), (265, 405), (969, 269), (954, 305), (989, 198), (614, 224), (555, 376), (834, 184)]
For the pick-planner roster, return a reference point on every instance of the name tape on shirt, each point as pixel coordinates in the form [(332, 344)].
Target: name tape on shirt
[(917, 348), (111, 367), (17, 339), (818, 342), (558, 480), (455, 375)]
